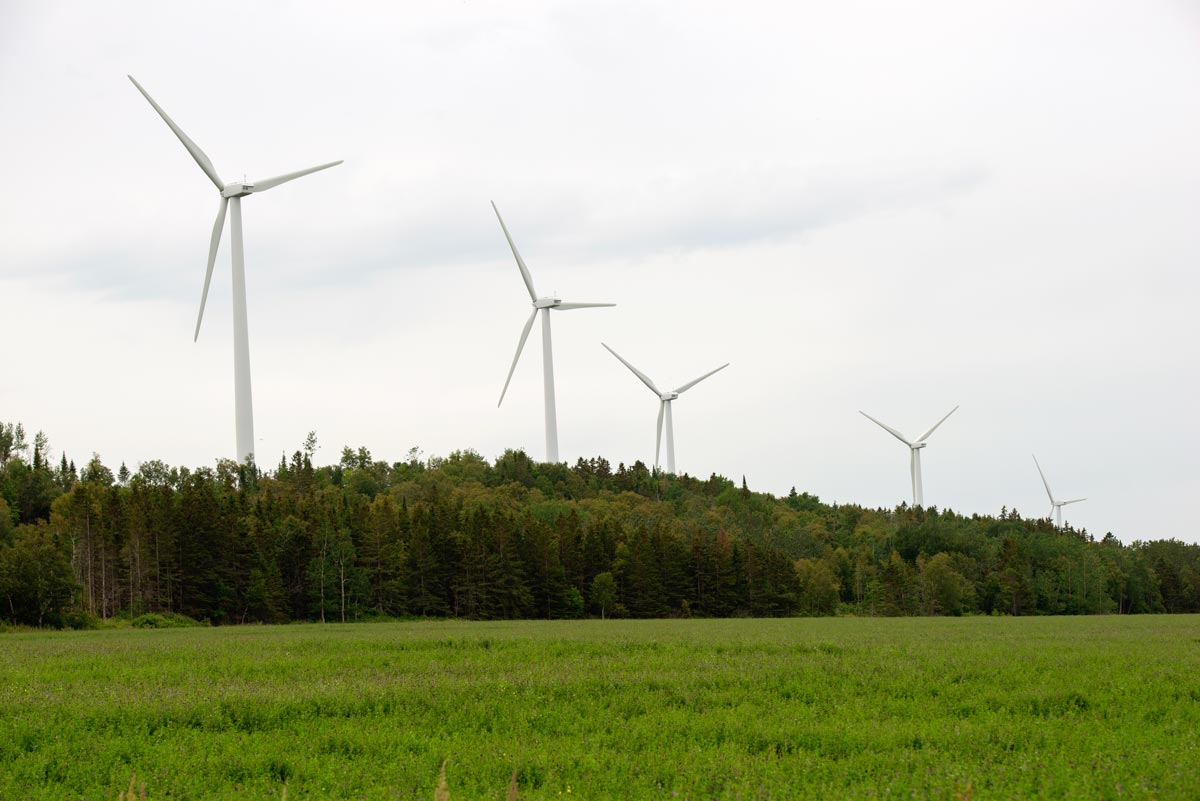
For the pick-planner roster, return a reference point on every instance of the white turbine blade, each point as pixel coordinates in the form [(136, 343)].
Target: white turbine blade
[(198, 154), (270, 183), (886, 428), (662, 407), (645, 378), (525, 276), (1045, 483), (218, 227), (520, 347), (569, 306), (1075, 500), (691, 384), (925, 436)]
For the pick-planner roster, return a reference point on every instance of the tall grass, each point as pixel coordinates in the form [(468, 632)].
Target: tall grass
[(442, 793), (974, 708)]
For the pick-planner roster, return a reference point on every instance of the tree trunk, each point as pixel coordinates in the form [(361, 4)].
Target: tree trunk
[(324, 545), (103, 587), (91, 585), (342, 585)]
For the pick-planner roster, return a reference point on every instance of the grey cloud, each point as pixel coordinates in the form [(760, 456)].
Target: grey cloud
[(575, 223), (708, 211), (789, 204)]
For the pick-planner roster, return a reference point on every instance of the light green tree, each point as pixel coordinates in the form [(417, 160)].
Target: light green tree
[(604, 592), (944, 590), (819, 587)]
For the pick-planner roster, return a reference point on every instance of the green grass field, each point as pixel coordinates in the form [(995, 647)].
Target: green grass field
[(979, 708)]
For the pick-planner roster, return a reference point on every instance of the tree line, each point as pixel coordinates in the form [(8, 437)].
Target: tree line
[(512, 538)]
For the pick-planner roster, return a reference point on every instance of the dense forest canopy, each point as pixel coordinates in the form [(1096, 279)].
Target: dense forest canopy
[(462, 536)]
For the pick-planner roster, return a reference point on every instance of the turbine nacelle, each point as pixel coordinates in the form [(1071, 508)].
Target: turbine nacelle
[(547, 303), (916, 446), (237, 189), (668, 396)]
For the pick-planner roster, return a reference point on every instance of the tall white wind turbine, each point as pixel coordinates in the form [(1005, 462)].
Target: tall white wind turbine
[(544, 305), (915, 449), (664, 407), (231, 199), (1055, 506)]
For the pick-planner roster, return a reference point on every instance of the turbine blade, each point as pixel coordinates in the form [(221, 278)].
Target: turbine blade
[(569, 306), (525, 276), (1075, 500), (886, 428), (645, 378), (520, 347), (925, 436), (1045, 483), (691, 384), (218, 227), (662, 407), (270, 183), (198, 154)]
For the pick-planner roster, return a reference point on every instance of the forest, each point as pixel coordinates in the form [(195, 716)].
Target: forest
[(464, 537)]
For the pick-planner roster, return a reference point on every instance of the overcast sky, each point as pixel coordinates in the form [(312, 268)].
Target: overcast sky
[(888, 207)]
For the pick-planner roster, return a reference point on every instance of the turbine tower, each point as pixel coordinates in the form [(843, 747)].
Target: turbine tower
[(1055, 506), (664, 407), (915, 449), (544, 305), (231, 199)]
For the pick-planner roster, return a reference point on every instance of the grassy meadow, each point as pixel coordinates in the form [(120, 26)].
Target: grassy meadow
[(978, 708)]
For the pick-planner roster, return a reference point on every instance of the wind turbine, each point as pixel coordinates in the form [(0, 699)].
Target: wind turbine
[(915, 448), (544, 305), (231, 199), (1055, 506), (664, 407)]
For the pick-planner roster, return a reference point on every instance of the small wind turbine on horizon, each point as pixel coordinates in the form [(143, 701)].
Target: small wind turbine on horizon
[(915, 449), (231, 197), (1055, 506), (544, 305), (664, 407)]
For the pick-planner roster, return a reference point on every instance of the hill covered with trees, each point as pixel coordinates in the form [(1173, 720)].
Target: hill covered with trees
[(462, 536)]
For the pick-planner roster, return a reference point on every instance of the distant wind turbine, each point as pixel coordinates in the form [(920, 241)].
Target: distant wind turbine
[(915, 449), (231, 198), (1055, 506), (664, 407), (543, 304)]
